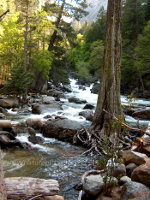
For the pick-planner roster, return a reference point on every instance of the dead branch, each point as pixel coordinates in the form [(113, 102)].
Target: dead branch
[(4, 13), (126, 125)]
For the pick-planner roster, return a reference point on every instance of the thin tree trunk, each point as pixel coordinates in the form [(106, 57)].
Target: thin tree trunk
[(26, 37), (3, 195), (54, 35), (26, 45), (109, 91)]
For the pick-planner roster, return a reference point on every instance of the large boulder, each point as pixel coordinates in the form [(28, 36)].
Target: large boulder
[(76, 100), (142, 173), (93, 185), (9, 102), (134, 157), (35, 123), (62, 129), (142, 114), (135, 191), (88, 114)]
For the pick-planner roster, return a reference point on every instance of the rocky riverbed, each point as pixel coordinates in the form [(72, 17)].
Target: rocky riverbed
[(35, 151)]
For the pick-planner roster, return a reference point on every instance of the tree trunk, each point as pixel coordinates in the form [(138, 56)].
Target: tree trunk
[(26, 45), (3, 195), (26, 187), (54, 35), (109, 91)]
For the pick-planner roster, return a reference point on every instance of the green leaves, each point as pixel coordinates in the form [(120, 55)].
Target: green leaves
[(42, 61), (19, 80)]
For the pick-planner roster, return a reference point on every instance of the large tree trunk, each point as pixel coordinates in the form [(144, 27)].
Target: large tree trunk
[(109, 91), (3, 195), (108, 110)]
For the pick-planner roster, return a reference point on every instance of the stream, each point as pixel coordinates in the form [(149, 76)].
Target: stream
[(55, 159)]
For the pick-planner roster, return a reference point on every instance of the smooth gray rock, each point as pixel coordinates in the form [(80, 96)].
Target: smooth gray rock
[(124, 180), (135, 191), (93, 185), (88, 114)]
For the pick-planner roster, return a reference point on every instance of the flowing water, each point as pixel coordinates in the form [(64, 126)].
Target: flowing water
[(54, 159)]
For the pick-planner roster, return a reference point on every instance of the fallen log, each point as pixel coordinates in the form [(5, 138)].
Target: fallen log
[(5, 124), (26, 187)]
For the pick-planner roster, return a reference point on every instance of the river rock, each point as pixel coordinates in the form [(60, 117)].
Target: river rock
[(55, 93), (134, 157), (31, 131), (48, 99), (88, 114), (124, 180), (142, 173), (2, 116), (89, 106), (9, 102), (119, 171), (76, 100), (35, 123), (93, 185), (36, 139), (130, 167), (36, 109), (135, 191), (67, 88), (3, 110), (95, 88), (142, 114), (7, 140), (62, 129)]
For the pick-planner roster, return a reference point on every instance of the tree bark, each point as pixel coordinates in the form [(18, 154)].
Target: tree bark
[(3, 195), (54, 35), (26, 187), (109, 91)]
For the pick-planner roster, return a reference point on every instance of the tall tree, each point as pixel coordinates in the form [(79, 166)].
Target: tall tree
[(108, 103)]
